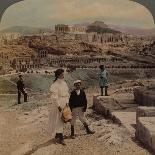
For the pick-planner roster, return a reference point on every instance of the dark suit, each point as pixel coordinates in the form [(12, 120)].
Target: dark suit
[(78, 105), (21, 90), (78, 100)]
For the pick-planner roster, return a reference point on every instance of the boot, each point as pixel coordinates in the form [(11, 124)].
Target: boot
[(72, 132), (101, 91), (60, 139), (87, 129), (56, 136), (19, 96), (106, 91), (25, 97)]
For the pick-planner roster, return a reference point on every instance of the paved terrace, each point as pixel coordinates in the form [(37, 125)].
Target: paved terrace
[(135, 111)]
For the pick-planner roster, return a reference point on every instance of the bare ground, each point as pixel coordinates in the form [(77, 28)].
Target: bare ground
[(24, 133)]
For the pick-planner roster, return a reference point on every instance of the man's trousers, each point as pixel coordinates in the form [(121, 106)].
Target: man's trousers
[(78, 112), (19, 95)]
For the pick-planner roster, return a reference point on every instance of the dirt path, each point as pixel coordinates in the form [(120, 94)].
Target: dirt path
[(23, 133), (8, 124)]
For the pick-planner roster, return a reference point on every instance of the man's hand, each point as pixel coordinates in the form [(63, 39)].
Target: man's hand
[(60, 109)]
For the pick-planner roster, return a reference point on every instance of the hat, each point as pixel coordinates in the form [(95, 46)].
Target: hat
[(102, 67), (77, 81)]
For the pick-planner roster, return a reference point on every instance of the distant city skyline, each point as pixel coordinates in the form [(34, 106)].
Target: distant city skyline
[(47, 13)]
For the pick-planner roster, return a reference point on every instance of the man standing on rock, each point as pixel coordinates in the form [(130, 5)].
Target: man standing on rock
[(103, 80), (78, 105), (21, 89)]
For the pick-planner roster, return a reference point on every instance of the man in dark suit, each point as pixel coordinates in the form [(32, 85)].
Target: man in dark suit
[(21, 89), (78, 106)]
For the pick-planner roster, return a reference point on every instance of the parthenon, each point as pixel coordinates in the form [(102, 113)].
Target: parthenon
[(61, 28)]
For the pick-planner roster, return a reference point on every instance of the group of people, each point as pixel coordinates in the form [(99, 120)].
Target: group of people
[(60, 97)]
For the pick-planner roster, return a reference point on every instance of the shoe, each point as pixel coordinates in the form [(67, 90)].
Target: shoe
[(88, 130), (62, 142), (59, 138), (72, 136)]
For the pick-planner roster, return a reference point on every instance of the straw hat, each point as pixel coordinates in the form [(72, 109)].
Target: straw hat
[(77, 81)]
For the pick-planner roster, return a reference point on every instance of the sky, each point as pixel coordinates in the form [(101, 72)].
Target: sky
[(47, 13)]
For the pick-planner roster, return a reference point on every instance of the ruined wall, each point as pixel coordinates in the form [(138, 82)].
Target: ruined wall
[(145, 96)]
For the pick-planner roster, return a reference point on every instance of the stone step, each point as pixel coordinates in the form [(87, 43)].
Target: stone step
[(145, 96), (143, 111), (121, 114), (127, 119), (145, 131)]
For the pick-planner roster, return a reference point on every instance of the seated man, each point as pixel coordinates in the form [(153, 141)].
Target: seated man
[(78, 105)]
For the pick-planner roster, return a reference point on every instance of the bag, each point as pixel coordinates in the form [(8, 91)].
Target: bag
[(66, 114)]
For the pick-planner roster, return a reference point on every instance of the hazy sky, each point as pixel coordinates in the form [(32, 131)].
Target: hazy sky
[(46, 13)]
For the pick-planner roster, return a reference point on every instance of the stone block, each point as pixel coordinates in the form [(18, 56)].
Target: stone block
[(138, 95), (145, 96), (153, 142), (143, 111), (145, 131), (104, 104)]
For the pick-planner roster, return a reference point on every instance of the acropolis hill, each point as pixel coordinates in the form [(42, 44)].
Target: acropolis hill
[(77, 45)]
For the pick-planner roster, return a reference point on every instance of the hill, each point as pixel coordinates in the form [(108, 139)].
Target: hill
[(24, 30), (100, 27), (133, 30)]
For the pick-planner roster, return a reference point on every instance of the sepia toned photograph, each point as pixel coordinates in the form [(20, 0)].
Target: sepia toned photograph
[(77, 77)]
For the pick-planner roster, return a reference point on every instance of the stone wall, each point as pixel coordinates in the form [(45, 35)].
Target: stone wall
[(145, 96), (143, 111), (145, 128), (105, 105), (145, 132)]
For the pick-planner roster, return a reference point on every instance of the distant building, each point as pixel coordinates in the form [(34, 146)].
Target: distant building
[(5, 37), (42, 53), (61, 28), (24, 63)]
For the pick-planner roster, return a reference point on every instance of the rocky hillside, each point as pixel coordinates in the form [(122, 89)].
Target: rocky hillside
[(100, 27), (66, 47)]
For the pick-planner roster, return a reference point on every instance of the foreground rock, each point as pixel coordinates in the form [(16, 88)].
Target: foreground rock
[(145, 131)]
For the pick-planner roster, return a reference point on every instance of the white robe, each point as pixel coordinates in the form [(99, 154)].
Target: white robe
[(59, 97)]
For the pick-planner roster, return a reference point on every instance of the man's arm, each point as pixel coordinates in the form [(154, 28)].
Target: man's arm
[(84, 101), (18, 84), (23, 85), (71, 100)]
